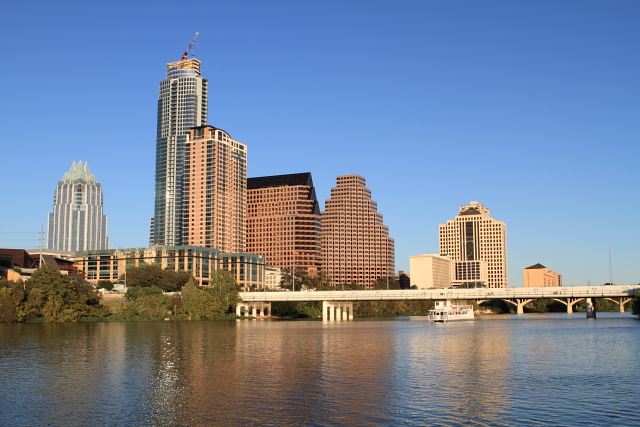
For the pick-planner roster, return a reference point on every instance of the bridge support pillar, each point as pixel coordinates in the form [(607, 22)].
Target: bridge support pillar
[(569, 302), (519, 303), (621, 302), (591, 309), (257, 309), (337, 310)]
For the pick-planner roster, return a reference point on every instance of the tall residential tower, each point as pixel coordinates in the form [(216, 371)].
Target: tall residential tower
[(214, 190), (77, 222), (182, 104), (477, 245)]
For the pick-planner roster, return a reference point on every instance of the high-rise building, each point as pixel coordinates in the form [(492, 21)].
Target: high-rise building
[(214, 190), (283, 221), (539, 276), (77, 222), (182, 104), (356, 247), (477, 244)]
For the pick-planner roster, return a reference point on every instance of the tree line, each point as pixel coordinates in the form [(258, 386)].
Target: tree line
[(49, 296)]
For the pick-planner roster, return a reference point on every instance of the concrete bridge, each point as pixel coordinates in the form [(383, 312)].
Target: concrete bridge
[(338, 305)]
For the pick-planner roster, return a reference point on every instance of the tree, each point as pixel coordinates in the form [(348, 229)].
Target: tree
[(153, 275), (636, 304), (381, 284), (197, 303), (224, 288), (105, 284), (12, 296), (304, 281), (58, 298)]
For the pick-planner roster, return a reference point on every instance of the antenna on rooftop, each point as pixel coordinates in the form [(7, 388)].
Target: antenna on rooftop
[(186, 52)]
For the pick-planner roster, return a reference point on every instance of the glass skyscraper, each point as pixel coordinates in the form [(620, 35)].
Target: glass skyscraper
[(182, 104), (77, 222)]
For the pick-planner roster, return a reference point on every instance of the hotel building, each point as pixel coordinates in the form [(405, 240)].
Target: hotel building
[(539, 276), (356, 247), (182, 104), (283, 221), (477, 244), (214, 190), (77, 222)]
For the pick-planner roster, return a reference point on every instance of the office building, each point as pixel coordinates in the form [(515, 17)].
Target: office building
[(283, 221), (182, 104), (477, 244), (429, 271), (77, 222), (247, 269), (539, 276), (356, 247), (214, 190)]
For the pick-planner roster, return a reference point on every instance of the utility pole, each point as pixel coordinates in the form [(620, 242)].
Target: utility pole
[(41, 237)]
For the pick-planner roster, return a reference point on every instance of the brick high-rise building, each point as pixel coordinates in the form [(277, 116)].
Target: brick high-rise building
[(356, 247), (477, 244), (283, 221), (214, 190)]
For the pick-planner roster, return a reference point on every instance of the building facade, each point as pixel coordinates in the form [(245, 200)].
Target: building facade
[(355, 244), (283, 221), (430, 271), (477, 244), (214, 190), (539, 276), (247, 269), (182, 104), (77, 222)]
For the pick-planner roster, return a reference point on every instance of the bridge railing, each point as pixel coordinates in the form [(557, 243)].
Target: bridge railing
[(441, 294)]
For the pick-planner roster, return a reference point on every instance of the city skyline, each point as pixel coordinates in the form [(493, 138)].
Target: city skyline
[(540, 114)]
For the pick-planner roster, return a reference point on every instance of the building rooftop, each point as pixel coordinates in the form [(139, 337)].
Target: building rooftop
[(280, 181), (538, 265)]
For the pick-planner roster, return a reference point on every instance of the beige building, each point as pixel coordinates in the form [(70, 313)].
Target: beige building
[(539, 276), (477, 244), (272, 277), (247, 269), (356, 247), (430, 271), (214, 190), (283, 221)]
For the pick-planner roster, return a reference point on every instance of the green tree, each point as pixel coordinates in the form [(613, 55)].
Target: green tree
[(225, 289), (8, 308), (12, 298), (58, 298), (198, 304), (635, 305), (105, 284), (153, 275), (381, 284)]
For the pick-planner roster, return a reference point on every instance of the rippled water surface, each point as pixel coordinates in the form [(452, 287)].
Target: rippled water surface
[(499, 370)]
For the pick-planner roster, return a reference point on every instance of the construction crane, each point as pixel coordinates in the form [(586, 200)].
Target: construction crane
[(186, 52)]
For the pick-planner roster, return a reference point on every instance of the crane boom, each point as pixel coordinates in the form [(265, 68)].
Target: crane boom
[(186, 52)]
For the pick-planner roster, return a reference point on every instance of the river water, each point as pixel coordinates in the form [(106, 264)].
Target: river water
[(552, 369)]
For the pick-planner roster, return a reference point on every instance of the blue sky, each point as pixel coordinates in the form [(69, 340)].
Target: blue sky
[(531, 108)]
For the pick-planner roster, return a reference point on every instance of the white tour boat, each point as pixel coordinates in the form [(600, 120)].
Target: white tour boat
[(444, 311)]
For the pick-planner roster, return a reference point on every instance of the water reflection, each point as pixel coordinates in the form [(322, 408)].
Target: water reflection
[(501, 371)]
